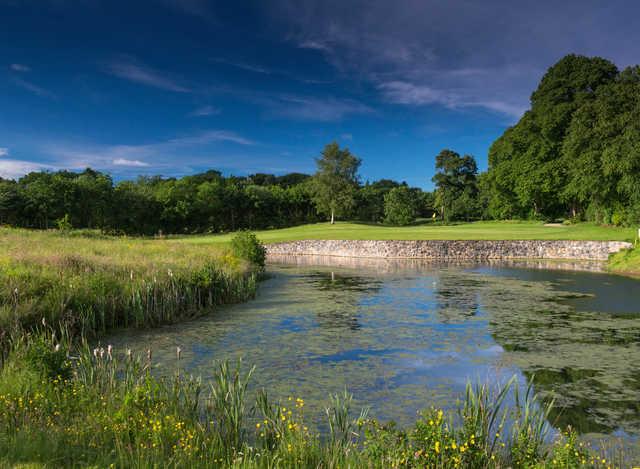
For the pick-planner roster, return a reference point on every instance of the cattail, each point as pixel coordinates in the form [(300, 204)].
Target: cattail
[(178, 352)]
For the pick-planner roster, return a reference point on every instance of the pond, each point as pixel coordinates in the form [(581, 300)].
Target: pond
[(405, 335)]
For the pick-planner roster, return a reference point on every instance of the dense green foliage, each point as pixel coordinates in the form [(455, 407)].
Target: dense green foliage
[(110, 411), (203, 203), (399, 206), (576, 152), (246, 246)]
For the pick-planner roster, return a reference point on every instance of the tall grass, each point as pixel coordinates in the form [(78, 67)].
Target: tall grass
[(90, 285), (108, 410)]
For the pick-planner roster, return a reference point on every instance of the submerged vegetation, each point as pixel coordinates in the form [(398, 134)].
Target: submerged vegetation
[(60, 406), (89, 284)]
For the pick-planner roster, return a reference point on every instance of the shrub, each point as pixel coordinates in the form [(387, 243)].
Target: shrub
[(64, 223), (246, 246), (399, 206)]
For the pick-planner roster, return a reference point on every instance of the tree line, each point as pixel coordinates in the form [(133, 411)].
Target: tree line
[(574, 155), (202, 203)]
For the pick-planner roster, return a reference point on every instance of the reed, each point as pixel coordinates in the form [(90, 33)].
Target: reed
[(110, 411), (87, 286)]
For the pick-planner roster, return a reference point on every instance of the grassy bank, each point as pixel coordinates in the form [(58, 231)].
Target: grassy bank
[(102, 408), (92, 284), (626, 261), (489, 230)]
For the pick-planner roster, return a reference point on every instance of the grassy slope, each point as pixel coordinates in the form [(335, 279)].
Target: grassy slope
[(477, 230), (99, 283)]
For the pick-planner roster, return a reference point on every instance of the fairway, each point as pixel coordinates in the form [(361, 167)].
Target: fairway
[(490, 230)]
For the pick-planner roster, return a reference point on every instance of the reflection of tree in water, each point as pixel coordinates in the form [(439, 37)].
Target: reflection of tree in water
[(456, 297), (587, 362), (344, 293)]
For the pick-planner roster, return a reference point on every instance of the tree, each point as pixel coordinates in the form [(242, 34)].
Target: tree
[(456, 185), (527, 173), (399, 206), (335, 181)]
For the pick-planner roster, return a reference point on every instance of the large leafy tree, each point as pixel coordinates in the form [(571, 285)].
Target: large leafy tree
[(602, 153), (335, 182), (527, 171), (456, 185)]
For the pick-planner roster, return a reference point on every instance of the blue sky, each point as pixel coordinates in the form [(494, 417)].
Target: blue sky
[(175, 87)]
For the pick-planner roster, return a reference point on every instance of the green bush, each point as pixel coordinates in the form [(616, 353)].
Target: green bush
[(399, 207), (246, 246)]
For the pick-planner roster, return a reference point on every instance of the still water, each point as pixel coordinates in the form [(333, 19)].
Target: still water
[(405, 335)]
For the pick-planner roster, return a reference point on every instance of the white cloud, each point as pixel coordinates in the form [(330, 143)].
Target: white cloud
[(20, 68), (129, 69), (210, 136), (205, 111), (14, 169), (401, 92), (133, 163), (158, 155), (314, 45), (4, 151)]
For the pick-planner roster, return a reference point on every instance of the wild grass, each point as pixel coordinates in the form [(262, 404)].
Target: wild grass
[(103, 408), (88, 285)]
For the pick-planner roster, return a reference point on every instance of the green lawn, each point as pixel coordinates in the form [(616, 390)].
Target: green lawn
[(488, 230)]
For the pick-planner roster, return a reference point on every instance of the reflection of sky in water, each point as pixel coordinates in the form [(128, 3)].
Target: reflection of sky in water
[(402, 341)]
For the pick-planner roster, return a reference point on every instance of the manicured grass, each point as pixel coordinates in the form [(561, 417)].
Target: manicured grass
[(488, 230)]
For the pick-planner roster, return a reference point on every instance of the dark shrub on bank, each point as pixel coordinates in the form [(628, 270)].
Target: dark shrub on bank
[(246, 246)]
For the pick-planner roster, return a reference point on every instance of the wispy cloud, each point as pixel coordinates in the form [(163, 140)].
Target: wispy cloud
[(14, 169), (314, 108), (157, 155), (408, 93), (131, 163), (4, 151), (205, 111), (129, 69), (314, 45), (211, 136), (33, 88), (243, 65), (19, 68)]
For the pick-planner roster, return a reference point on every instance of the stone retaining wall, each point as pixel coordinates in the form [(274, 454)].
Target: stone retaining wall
[(451, 250)]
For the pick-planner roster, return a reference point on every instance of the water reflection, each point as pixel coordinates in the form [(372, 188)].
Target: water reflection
[(402, 337)]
